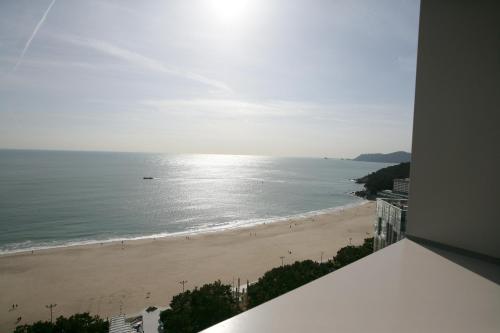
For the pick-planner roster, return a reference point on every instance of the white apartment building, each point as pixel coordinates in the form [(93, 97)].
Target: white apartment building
[(390, 225), (401, 186)]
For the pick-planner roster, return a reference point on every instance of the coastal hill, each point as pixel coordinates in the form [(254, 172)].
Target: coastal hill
[(396, 157), (382, 179)]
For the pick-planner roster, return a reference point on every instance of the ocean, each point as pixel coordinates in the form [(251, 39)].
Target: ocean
[(61, 198)]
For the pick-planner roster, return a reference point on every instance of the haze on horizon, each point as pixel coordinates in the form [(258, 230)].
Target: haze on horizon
[(286, 78)]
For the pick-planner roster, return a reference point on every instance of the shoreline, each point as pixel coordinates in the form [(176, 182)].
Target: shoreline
[(231, 226), (112, 278)]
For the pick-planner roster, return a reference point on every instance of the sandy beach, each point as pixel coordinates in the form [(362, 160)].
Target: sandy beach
[(104, 279)]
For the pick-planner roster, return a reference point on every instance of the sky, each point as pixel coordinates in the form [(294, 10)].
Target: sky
[(264, 77)]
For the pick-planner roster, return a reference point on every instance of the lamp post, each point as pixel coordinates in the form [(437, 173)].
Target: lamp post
[(183, 282), (50, 307)]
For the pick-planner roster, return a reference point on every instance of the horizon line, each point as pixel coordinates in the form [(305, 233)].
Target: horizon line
[(188, 153)]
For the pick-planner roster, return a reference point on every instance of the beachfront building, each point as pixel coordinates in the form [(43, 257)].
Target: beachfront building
[(400, 190), (147, 321), (389, 194), (444, 276), (390, 224), (401, 186), (118, 324), (150, 320)]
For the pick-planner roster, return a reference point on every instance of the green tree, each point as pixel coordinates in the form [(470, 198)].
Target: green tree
[(193, 311), (351, 253), (283, 279), (38, 327), (382, 179), (80, 322)]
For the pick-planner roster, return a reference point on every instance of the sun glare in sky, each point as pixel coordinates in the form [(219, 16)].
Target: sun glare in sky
[(260, 77), (229, 11)]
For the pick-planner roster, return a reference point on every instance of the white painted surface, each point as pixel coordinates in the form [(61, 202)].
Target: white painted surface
[(150, 321), (118, 325)]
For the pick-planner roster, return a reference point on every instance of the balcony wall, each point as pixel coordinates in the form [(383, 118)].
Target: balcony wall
[(456, 136)]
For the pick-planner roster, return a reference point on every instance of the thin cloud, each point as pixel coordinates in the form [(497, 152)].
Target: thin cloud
[(353, 114), (28, 43), (227, 107), (142, 61)]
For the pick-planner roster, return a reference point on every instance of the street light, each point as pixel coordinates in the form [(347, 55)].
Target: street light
[(183, 282), (50, 307)]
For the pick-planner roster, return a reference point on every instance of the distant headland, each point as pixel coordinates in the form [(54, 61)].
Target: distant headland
[(396, 157)]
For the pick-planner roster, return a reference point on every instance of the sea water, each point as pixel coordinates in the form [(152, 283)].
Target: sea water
[(61, 198)]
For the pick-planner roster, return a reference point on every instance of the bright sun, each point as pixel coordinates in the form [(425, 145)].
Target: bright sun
[(229, 11)]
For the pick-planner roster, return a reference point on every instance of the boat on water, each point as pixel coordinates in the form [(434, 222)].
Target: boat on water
[(147, 177)]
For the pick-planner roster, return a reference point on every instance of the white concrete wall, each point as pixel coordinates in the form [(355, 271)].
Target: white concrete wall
[(455, 186)]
